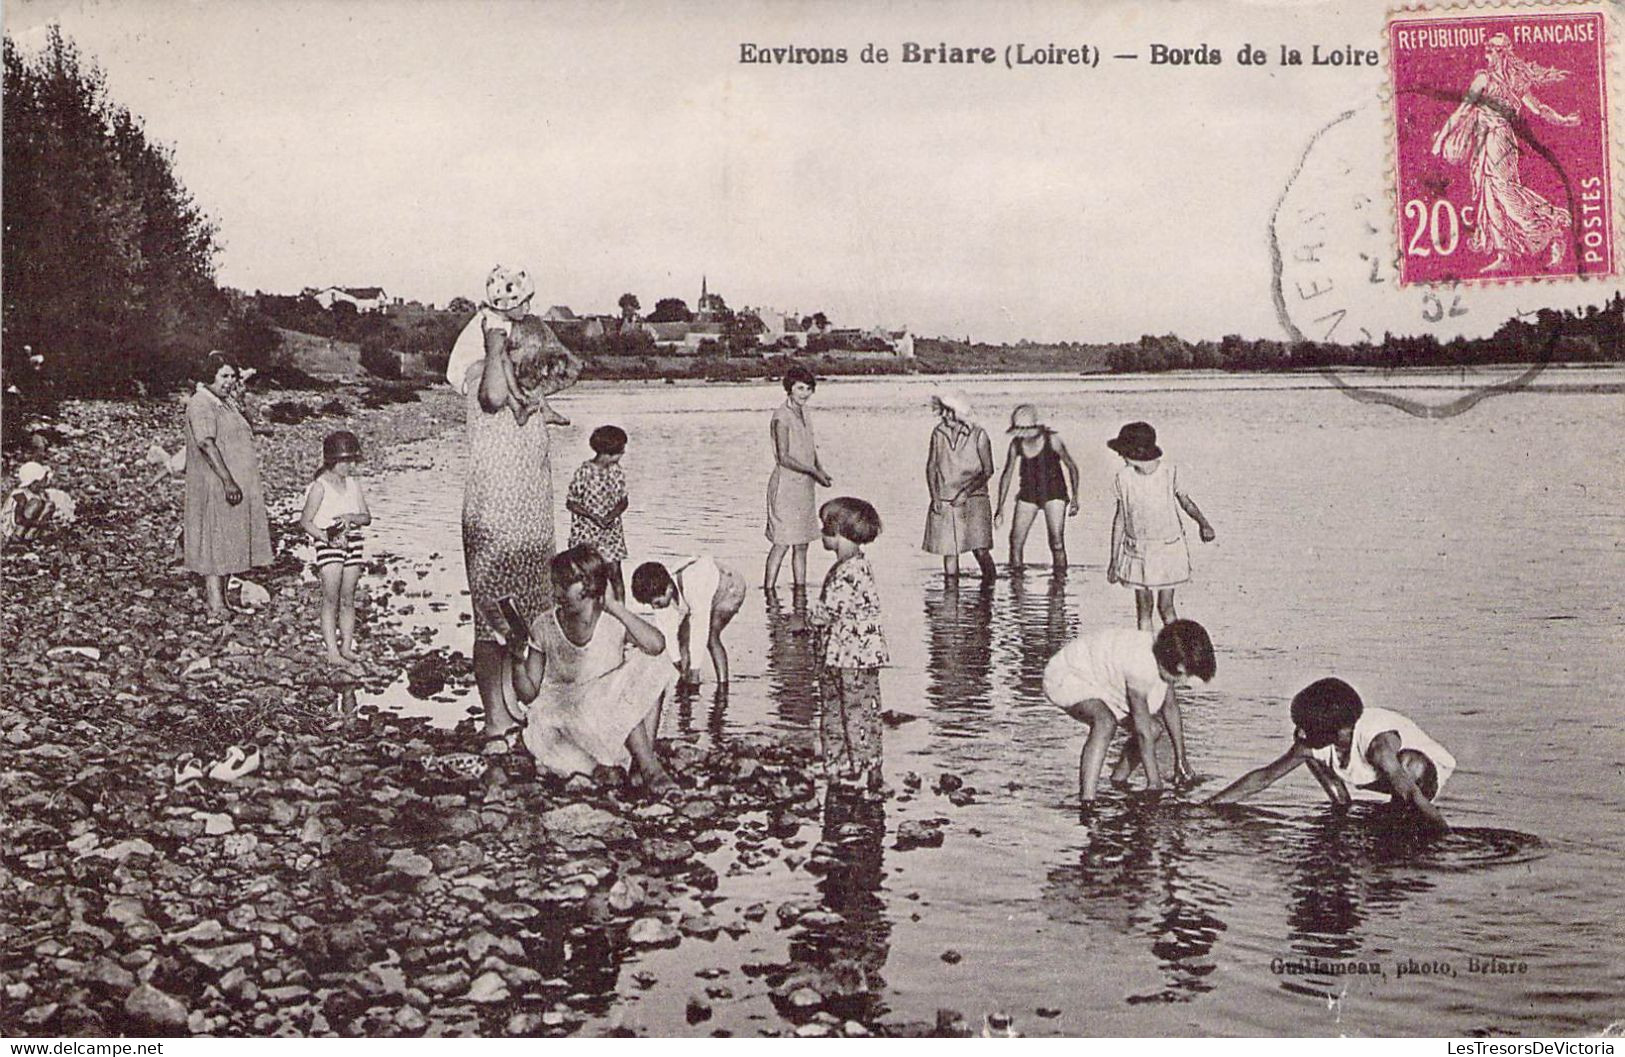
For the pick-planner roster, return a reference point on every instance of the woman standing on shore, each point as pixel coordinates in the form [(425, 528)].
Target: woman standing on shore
[(956, 474), (792, 506), (226, 529), (508, 494)]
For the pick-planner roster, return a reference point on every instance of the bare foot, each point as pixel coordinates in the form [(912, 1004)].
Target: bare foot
[(552, 417), (350, 655), (338, 660)]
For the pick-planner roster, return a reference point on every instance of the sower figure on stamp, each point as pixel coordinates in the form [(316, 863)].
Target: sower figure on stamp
[(1509, 217)]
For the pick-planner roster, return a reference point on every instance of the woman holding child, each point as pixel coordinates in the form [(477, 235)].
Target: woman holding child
[(505, 362)]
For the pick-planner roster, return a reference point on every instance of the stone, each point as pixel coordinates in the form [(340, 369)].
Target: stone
[(152, 1006), (410, 863), (651, 932), (215, 825), (223, 958), (804, 999), (206, 931), (487, 988), (917, 834), (698, 1010), (410, 1020), (952, 957), (626, 894), (110, 977)]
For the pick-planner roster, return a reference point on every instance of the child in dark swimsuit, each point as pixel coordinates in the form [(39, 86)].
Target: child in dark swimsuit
[(1040, 454)]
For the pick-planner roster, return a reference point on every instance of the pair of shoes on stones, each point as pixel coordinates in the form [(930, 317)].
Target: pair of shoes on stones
[(238, 762)]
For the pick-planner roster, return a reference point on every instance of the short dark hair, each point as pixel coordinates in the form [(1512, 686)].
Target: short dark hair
[(1183, 648), (1323, 708), (851, 518), (797, 373), (651, 580), (608, 440), (213, 362), (581, 564)]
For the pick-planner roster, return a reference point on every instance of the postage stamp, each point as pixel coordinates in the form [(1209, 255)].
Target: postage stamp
[(1502, 148)]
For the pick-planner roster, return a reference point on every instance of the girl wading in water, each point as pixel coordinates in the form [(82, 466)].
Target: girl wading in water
[(1039, 454)]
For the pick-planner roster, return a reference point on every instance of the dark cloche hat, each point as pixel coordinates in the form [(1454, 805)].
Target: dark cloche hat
[(1137, 441)]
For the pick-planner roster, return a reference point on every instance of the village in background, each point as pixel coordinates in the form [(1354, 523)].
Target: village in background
[(111, 289)]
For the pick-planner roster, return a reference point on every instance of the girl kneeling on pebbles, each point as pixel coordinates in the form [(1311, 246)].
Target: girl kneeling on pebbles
[(597, 684)]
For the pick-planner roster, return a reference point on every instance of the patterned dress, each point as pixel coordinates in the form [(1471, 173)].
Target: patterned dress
[(507, 513), (599, 489), (852, 649)]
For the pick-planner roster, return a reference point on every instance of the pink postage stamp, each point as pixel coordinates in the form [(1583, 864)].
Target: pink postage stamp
[(1501, 144)]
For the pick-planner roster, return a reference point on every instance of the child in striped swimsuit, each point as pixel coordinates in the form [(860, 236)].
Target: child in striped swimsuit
[(335, 511)]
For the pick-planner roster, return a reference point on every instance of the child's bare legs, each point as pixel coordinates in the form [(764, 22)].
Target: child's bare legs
[(950, 566), (352, 576), (1055, 521), (1142, 608), (1165, 605), (641, 744), (984, 560), (1102, 725), (775, 559), (1021, 522), (332, 576), (720, 616), (617, 583)]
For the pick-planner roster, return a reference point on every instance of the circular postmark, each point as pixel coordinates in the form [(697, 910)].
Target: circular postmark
[(1334, 276)]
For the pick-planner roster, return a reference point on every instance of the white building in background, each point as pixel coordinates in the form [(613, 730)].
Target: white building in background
[(364, 298)]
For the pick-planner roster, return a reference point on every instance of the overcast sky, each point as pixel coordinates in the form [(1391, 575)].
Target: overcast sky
[(623, 146)]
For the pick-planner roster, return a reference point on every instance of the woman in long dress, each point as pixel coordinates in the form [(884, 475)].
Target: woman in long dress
[(226, 527), (957, 471), (508, 494), (594, 675), (1508, 217), (792, 504)]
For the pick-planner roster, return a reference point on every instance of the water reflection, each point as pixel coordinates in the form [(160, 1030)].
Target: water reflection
[(850, 946), (959, 675), (1135, 873), (792, 672), (1040, 625)]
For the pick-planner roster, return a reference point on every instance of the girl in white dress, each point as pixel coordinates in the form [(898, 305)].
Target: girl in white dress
[(1148, 551), (597, 675)]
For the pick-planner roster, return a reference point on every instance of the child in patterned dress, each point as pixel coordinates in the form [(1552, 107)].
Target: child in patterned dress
[(851, 647), (596, 501)]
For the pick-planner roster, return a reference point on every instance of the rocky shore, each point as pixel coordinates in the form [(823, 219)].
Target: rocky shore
[(376, 875)]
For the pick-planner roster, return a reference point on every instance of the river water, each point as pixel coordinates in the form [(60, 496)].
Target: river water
[(1463, 570)]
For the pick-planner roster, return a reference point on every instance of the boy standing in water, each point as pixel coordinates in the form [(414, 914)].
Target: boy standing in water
[(1345, 743)]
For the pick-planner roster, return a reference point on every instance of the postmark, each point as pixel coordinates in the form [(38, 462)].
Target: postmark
[(1502, 150), (1334, 278)]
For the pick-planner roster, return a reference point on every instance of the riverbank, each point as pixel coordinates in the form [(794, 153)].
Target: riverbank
[(376, 876)]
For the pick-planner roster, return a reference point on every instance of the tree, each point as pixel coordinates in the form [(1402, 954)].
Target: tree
[(629, 307), (108, 263), (671, 310), (460, 305)]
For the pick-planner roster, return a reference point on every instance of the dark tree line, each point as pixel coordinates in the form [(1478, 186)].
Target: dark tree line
[(1588, 335), (108, 262)]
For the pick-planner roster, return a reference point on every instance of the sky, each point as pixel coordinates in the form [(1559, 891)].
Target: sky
[(611, 147)]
